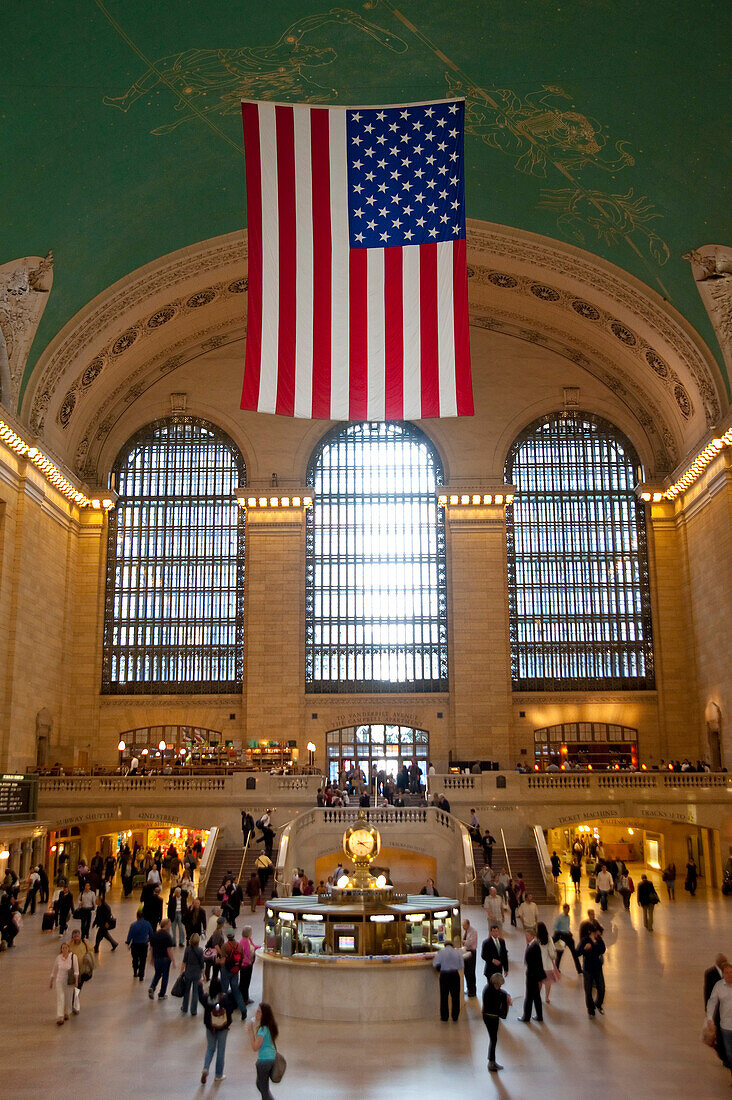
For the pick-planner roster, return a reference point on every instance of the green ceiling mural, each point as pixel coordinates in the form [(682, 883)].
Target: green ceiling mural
[(591, 121)]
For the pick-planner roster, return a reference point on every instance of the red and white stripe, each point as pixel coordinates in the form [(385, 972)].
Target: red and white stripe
[(334, 332)]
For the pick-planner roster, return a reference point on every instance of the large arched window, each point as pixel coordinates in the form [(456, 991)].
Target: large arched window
[(579, 599), (174, 610), (376, 605)]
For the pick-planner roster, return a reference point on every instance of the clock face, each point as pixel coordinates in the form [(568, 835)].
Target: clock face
[(361, 844)]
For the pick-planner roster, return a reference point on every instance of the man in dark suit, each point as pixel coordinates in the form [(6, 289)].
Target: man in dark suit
[(712, 976), (494, 953), (535, 975), (591, 950)]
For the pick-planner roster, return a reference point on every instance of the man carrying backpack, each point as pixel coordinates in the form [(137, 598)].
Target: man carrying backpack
[(231, 958)]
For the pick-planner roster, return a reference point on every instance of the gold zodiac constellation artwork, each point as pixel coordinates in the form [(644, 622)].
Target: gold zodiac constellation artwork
[(213, 82)]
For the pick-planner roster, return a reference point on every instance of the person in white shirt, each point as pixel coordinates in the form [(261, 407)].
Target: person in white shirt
[(528, 914), (605, 884), (134, 765), (721, 998), (470, 951), (64, 965), (153, 876), (449, 962), (493, 906)]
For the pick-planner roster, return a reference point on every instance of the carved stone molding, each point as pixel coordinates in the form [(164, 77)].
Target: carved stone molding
[(24, 288), (627, 292), (606, 370), (712, 269), (146, 326)]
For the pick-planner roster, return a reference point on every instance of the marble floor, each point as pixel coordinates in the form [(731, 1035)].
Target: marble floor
[(646, 1045)]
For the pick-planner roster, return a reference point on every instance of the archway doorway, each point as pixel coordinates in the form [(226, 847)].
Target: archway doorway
[(386, 746)]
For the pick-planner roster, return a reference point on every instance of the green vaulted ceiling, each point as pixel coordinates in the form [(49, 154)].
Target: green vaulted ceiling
[(599, 122)]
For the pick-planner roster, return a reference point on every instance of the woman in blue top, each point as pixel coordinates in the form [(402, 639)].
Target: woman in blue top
[(263, 1032)]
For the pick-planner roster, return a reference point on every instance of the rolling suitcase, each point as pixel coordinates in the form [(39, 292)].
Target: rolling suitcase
[(47, 922)]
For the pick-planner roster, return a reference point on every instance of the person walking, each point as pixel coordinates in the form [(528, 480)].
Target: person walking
[(176, 914), (64, 977), (493, 906), (494, 953), (161, 955), (103, 922), (647, 899), (264, 866), (152, 904), (562, 933), (253, 891), (85, 959), (470, 952), (448, 962), (195, 919), (591, 949), (192, 970), (138, 940), (263, 1032), (626, 888), (535, 975), (690, 881), (230, 960), (63, 906), (548, 959), (249, 950), (217, 1012), (719, 1006), (528, 914), (34, 885), (43, 887), (575, 873), (605, 886), (85, 909), (669, 877), (495, 1008), (556, 866)]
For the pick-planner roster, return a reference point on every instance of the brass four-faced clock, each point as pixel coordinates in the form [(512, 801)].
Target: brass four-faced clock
[(361, 842)]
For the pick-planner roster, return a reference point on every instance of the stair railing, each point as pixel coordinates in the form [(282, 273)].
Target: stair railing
[(244, 857), (207, 860), (505, 853), (542, 853)]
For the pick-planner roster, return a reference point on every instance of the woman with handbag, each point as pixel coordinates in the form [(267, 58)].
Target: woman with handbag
[(263, 1032), (192, 973), (64, 976), (548, 958)]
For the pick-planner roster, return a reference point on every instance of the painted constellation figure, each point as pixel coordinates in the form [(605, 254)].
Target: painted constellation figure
[(537, 130), (213, 82)]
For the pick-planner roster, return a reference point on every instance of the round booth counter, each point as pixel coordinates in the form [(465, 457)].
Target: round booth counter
[(384, 989), (356, 955)]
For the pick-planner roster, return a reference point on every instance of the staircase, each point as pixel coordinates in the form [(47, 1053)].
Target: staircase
[(527, 861), (226, 859), (521, 859), (253, 851)]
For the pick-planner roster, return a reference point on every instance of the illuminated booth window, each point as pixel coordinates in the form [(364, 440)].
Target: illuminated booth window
[(579, 596), (376, 598), (174, 609), (598, 745)]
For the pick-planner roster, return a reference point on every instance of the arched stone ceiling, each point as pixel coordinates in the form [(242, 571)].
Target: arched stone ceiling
[(185, 307), (600, 125)]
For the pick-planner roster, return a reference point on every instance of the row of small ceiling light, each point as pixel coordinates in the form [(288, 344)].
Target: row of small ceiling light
[(57, 479)]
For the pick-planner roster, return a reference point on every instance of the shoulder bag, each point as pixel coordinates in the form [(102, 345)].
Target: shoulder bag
[(279, 1067)]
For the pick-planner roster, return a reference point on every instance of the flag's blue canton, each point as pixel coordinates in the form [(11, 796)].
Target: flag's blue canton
[(405, 175)]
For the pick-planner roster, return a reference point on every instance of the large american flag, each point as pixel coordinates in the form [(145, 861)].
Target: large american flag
[(357, 271)]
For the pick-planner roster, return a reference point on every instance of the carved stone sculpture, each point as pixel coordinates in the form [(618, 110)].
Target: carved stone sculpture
[(24, 289)]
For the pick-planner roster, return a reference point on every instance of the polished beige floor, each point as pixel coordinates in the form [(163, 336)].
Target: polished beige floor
[(647, 1044)]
